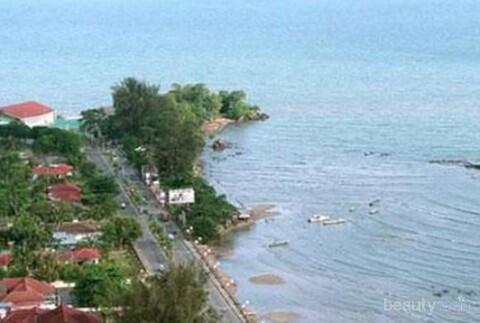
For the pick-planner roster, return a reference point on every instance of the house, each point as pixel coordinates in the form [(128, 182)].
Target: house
[(82, 256), (53, 170), (5, 260), (61, 314), (71, 233), (30, 113), (24, 292), (67, 192)]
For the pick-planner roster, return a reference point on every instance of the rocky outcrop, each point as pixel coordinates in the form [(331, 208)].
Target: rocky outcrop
[(220, 144), (456, 162), (257, 116)]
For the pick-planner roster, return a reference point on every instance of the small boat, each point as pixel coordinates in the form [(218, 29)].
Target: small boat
[(334, 221), (374, 211), (318, 218), (277, 243)]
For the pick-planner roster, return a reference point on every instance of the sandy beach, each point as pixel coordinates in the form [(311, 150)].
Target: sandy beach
[(216, 125)]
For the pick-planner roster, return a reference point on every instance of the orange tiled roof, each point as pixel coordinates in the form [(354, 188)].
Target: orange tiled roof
[(25, 110), (65, 192), (52, 170), (62, 314), (25, 291)]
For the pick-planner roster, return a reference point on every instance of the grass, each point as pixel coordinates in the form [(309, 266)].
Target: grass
[(126, 261), (162, 239)]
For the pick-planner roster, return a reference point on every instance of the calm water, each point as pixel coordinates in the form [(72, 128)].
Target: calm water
[(339, 78)]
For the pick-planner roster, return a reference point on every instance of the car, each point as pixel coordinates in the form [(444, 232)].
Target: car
[(123, 205)]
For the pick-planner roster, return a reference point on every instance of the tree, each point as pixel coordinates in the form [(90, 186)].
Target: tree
[(176, 297), (121, 231), (92, 122), (28, 236), (46, 267), (132, 101), (235, 106), (59, 141), (98, 285), (178, 140), (14, 185), (204, 104), (52, 213), (99, 188)]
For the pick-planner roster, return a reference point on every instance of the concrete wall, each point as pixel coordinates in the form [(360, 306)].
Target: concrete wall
[(42, 120)]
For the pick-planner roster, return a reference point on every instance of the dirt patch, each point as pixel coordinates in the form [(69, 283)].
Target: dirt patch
[(216, 125), (267, 279), (281, 317)]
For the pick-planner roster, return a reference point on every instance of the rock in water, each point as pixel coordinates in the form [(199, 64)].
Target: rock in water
[(219, 144)]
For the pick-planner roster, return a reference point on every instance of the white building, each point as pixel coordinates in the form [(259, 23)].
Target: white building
[(31, 113)]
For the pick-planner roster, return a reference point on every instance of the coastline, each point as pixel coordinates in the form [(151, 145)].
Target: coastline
[(244, 219)]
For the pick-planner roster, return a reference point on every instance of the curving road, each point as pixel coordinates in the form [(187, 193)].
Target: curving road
[(149, 251)]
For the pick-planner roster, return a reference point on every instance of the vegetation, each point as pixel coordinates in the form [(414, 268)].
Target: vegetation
[(99, 285), (24, 202), (164, 130), (120, 232), (176, 297), (14, 185), (162, 239)]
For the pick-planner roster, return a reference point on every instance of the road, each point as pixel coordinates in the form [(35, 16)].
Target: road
[(149, 251), (147, 248)]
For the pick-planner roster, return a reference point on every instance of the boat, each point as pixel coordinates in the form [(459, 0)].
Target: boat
[(374, 211), (277, 243), (318, 218), (334, 221)]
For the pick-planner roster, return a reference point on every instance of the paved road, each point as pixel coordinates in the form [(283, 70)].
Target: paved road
[(152, 255), (147, 248)]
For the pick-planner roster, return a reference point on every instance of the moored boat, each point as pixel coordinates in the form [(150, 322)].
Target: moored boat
[(334, 221), (318, 218), (277, 243)]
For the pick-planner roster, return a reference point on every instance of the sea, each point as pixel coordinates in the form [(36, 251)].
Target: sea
[(370, 100)]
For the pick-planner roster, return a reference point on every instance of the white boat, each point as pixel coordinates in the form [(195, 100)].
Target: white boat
[(374, 211), (318, 218), (334, 221), (277, 243)]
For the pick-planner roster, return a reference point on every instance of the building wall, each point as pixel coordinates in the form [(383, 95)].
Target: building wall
[(42, 120)]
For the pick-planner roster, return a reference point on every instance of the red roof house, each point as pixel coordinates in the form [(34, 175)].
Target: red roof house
[(62, 314), (24, 291), (26, 315), (31, 113), (83, 255), (68, 192), (5, 259), (57, 170)]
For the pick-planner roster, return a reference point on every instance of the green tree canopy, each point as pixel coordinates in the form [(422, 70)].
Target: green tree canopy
[(98, 285), (120, 231), (14, 185), (176, 297)]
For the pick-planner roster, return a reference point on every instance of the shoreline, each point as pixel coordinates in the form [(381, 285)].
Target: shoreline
[(244, 219), (216, 125)]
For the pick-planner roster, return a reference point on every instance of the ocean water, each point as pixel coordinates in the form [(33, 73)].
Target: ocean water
[(340, 79)]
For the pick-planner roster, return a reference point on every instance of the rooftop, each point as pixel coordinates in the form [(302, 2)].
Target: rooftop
[(62, 314), (52, 170), (25, 110), (24, 291), (83, 254), (65, 192), (77, 228)]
